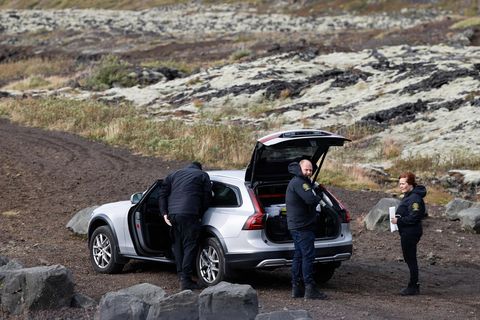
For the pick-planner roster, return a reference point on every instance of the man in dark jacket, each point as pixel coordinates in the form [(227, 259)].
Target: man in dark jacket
[(301, 204), (184, 197)]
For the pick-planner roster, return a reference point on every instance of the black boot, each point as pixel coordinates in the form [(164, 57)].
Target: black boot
[(298, 290), (311, 292), (411, 290), (188, 284)]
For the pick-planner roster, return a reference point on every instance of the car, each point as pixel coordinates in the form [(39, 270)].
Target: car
[(245, 226)]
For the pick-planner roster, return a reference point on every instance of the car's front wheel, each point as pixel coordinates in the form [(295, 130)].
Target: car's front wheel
[(210, 262), (103, 251)]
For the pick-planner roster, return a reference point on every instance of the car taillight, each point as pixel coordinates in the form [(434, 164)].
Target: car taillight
[(347, 215), (257, 220)]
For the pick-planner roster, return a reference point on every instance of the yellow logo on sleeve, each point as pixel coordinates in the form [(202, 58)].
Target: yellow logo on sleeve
[(306, 187), (415, 206)]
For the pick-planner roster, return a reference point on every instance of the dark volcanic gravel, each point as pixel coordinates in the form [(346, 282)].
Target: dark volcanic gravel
[(46, 177)]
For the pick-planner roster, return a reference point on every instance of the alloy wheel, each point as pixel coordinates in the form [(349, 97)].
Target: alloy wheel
[(102, 250), (209, 264)]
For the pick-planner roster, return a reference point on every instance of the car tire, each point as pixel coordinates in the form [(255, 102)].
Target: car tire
[(210, 262), (324, 272), (104, 251)]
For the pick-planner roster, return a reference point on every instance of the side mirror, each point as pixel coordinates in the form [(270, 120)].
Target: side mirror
[(136, 197)]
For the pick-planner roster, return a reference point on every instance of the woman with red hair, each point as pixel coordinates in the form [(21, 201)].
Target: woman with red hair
[(408, 218)]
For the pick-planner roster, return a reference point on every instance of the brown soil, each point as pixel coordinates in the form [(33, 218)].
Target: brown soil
[(47, 177)]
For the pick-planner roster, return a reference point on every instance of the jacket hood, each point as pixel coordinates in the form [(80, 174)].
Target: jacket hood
[(194, 165), (294, 168), (420, 190)]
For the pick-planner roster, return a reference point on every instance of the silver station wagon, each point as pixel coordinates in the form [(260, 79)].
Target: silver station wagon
[(245, 226)]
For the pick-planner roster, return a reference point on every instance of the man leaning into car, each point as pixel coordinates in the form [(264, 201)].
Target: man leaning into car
[(184, 197), (301, 204)]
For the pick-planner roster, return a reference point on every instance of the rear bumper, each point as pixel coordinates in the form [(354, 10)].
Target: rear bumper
[(264, 260)]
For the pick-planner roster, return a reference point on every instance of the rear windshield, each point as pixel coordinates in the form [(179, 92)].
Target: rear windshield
[(289, 151)]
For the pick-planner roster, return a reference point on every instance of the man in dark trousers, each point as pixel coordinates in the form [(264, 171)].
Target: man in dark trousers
[(184, 197), (301, 204)]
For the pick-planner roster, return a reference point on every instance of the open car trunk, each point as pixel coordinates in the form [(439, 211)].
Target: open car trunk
[(267, 174), (272, 198)]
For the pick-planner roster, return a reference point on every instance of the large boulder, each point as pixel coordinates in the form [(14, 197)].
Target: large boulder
[(7, 264), (115, 305), (470, 219), (37, 288), (462, 183), (180, 306), (130, 303), (378, 217), (83, 301), (285, 315), (79, 223), (456, 205), (146, 292), (228, 301), (466, 211)]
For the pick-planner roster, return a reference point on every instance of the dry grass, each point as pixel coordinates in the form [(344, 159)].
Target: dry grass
[(240, 54), (10, 213), (467, 7), (220, 146), (437, 195), (183, 66), (105, 4), (390, 148), (34, 67), (467, 23), (36, 82), (355, 131), (348, 177)]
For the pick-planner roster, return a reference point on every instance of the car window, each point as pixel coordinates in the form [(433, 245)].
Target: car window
[(286, 153), (224, 195)]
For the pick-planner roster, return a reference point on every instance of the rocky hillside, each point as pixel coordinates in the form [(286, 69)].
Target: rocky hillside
[(426, 98), (408, 77)]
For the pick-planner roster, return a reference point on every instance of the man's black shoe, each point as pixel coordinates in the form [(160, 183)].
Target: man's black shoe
[(298, 290), (189, 285), (312, 293), (410, 291)]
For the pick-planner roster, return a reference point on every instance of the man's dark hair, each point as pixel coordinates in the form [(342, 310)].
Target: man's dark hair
[(197, 164)]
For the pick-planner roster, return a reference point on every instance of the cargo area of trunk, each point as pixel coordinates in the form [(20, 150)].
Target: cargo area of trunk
[(272, 198)]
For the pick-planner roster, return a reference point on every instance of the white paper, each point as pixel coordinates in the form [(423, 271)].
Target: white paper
[(391, 213)]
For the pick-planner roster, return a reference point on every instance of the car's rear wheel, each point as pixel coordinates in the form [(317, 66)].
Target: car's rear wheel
[(324, 271), (210, 262), (103, 251)]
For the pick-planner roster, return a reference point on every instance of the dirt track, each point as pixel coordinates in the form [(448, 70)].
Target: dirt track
[(46, 177)]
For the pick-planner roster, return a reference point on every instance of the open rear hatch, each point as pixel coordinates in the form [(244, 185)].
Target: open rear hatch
[(267, 174), (273, 153)]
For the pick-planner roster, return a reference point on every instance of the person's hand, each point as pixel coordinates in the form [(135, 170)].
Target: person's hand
[(165, 217), (394, 220)]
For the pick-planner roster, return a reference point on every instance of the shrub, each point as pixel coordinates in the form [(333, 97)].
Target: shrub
[(111, 72)]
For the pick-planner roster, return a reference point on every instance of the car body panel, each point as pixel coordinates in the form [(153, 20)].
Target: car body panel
[(117, 215)]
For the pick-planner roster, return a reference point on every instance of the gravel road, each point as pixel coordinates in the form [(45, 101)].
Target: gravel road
[(46, 177)]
